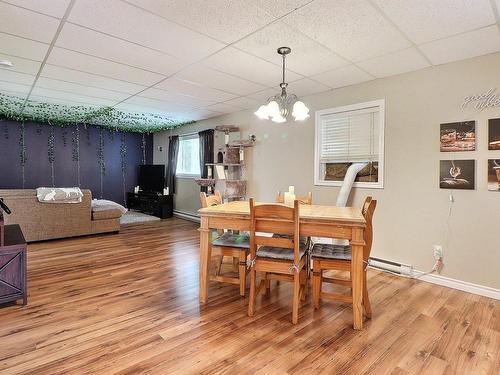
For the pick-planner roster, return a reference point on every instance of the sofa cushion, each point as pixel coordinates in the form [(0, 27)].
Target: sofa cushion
[(106, 214), (104, 205), (232, 240), (329, 251)]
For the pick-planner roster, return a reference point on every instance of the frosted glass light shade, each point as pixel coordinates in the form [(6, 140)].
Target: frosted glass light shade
[(273, 109), (300, 111), (262, 112), (279, 119)]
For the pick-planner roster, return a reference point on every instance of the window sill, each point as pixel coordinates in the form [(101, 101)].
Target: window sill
[(187, 176), (363, 185)]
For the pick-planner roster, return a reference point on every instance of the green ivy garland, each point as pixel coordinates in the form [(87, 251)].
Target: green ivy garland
[(51, 153), (18, 109), (6, 131), (123, 160), (64, 137), (100, 160), (22, 152), (143, 148), (75, 150)]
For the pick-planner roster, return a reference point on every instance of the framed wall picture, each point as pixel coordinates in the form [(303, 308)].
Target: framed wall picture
[(458, 136), (457, 174), (494, 134), (494, 175)]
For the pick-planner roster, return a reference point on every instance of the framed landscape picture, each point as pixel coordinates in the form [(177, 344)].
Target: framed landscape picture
[(494, 175), (458, 136), (494, 134), (457, 174)]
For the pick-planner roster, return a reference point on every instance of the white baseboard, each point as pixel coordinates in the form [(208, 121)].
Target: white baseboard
[(187, 216), (458, 284)]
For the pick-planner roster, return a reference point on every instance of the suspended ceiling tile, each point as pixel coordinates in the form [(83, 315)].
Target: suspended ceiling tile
[(20, 47), (55, 8), (223, 108), (241, 64), (352, 28), (306, 86), (463, 46), (27, 24), (88, 79), (263, 95), (136, 25), (201, 114), (194, 90), (15, 77), (395, 63), (427, 20), (90, 64), (308, 57), (279, 8), (204, 76), (21, 65), (91, 42), (175, 97), (132, 108), (349, 75), (63, 95), (244, 102), (159, 105), (53, 84), (14, 89), (66, 101), (220, 19)]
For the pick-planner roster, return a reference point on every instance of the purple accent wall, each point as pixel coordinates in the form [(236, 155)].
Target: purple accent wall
[(38, 171)]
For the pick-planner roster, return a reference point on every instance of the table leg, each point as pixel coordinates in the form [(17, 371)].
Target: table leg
[(357, 277), (204, 259)]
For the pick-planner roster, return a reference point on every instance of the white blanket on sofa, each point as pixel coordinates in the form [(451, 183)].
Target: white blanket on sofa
[(59, 195)]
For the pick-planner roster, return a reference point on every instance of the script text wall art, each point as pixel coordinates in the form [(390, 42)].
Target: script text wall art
[(482, 101)]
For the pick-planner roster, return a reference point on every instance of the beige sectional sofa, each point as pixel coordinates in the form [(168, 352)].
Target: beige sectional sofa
[(45, 221)]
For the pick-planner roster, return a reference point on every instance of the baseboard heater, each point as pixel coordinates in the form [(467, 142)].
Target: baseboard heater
[(387, 265), (187, 216)]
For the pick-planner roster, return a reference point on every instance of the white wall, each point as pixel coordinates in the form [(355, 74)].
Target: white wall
[(412, 212)]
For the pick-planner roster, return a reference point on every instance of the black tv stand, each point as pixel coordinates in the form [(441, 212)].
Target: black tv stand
[(151, 203)]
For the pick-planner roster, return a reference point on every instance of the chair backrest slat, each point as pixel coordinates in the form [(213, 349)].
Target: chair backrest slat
[(276, 219), (210, 200), (368, 210), (307, 199)]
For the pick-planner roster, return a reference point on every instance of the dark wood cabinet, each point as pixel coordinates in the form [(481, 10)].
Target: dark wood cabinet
[(155, 204), (13, 284)]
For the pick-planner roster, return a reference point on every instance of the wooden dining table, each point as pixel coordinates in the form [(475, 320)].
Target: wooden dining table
[(315, 221)]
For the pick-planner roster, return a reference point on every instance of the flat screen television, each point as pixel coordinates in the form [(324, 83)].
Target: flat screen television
[(152, 178)]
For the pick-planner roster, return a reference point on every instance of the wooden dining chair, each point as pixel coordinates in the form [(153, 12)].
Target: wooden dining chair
[(277, 258), (306, 199), (326, 257), (228, 244)]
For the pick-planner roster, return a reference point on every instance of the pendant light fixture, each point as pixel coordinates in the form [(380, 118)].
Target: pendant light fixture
[(279, 107)]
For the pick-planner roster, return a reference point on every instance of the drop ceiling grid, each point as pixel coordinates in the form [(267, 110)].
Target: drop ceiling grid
[(236, 100)]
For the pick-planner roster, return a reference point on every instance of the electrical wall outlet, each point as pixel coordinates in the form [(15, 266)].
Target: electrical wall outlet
[(438, 252)]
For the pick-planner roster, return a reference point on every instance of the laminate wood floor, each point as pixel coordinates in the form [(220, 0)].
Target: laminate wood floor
[(128, 304)]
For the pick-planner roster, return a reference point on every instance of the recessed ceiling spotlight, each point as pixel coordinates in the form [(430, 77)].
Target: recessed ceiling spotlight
[(6, 63)]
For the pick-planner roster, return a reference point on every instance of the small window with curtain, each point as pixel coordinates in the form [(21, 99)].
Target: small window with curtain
[(348, 135), (188, 158)]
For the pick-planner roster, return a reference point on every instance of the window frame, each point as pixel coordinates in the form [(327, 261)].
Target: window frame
[(187, 175), (380, 103)]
